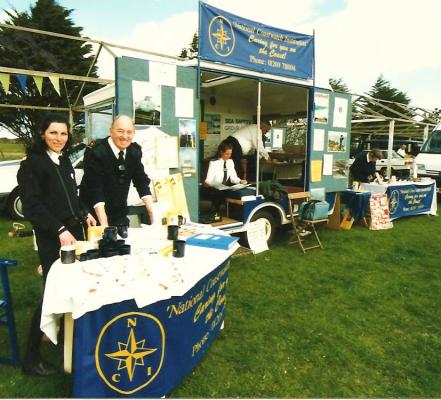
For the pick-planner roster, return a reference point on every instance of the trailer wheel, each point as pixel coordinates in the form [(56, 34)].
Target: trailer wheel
[(14, 206), (270, 224)]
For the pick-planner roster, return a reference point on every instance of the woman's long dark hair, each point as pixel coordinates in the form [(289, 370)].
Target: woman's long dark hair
[(39, 145), (222, 148)]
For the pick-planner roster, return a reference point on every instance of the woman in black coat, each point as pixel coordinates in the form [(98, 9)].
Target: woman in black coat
[(48, 192)]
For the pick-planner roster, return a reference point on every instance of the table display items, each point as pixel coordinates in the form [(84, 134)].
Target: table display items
[(178, 248), (103, 243), (213, 241), (172, 232), (123, 231), (67, 254), (379, 207)]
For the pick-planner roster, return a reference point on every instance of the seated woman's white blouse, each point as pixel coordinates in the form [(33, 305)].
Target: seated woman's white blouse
[(215, 173)]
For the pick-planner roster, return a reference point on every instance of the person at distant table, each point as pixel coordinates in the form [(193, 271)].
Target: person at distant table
[(402, 152), (364, 166)]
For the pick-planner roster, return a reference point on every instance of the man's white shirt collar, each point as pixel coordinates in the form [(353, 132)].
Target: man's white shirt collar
[(115, 149)]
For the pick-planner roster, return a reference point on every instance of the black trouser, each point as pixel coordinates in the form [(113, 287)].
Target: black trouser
[(237, 155), (48, 251), (216, 196)]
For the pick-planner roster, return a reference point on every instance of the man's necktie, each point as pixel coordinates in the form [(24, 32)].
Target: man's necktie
[(121, 166), (121, 157), (224, 180)]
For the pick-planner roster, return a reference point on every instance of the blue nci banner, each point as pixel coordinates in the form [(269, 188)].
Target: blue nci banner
[(123, 351), (229, 39), (412, 199)]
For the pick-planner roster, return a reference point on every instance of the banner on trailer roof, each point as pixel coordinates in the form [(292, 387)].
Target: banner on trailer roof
[(229, 39)]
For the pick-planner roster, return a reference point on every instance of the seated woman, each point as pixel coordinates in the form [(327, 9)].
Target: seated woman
[(221, 173)]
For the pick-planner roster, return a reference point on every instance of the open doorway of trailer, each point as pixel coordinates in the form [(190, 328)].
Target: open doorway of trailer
[(231, 103)]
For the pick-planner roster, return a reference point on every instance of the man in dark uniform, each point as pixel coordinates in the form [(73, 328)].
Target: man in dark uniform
[(109, 167), (364, 166)]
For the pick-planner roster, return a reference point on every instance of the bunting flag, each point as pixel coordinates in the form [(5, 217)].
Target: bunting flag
[(4, 80), (55, 83), (22, 79), (39, 83)]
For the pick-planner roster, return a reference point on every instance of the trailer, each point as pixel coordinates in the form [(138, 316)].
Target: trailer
[(202, 101)]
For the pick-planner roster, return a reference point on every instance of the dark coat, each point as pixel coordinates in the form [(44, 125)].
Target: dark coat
[(48, 192), (361, 168), (103, 182)]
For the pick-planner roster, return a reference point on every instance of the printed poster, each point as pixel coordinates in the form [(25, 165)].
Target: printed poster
[(321, 108), (213, 123), (146, 103), (256, 236), (337, 141), (319, 140), (184, 102), (327, 164), (339, 170), (340, 112), (316, 170), (277, 138), (162, 74), (187, 133)]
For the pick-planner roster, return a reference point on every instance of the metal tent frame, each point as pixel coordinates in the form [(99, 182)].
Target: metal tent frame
[(379, 118)]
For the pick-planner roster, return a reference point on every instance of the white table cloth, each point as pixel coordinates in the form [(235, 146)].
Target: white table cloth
[(145, 276), (376, 188)]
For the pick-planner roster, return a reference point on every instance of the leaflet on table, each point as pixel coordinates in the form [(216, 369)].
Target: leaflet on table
[(214, 241), (234, 187)]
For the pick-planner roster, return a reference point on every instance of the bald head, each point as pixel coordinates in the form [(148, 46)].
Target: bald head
[(122, 131)]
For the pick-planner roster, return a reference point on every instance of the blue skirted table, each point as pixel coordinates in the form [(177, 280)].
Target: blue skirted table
[(405, 198), (142, 321), (357, 203)]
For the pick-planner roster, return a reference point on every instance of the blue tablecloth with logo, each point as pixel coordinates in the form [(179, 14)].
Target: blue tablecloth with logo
[(121, 350), (407, 198)]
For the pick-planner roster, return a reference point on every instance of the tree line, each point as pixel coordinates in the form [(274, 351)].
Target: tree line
[(25, 50)]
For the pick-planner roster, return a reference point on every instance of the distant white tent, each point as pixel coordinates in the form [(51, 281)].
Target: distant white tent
[(4, 133)]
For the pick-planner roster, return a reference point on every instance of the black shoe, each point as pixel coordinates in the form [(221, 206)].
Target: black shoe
[(41, 368)]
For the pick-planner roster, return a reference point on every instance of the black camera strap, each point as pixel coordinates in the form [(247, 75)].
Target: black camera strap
[(68, 198)]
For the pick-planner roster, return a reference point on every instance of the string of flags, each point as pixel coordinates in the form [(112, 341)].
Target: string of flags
[(5, 80)]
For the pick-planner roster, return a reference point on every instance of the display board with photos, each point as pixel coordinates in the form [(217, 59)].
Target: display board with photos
[(328, 147)]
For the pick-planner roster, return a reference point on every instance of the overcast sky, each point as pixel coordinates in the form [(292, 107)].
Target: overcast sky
[(356, 40)]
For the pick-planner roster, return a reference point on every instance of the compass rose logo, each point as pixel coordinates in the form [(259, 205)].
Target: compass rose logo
[(221, 35), (130, 351), (394, 201)]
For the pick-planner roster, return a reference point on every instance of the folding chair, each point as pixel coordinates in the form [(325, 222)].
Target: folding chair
[(307, 228), (6, 314)]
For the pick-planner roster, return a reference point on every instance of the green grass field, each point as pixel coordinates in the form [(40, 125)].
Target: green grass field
[(11, 151), (359, 319)]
